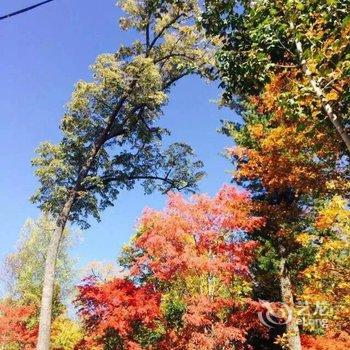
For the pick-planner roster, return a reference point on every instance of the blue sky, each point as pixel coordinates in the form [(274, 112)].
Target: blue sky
[(43, 53)]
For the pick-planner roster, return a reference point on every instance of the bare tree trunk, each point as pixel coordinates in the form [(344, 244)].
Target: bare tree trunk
[(49, 277), (320, 94), (287, 297)]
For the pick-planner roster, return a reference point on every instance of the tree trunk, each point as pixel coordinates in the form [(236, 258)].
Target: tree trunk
[(52, 252), (49, 277), (287, 297), (321, 96)]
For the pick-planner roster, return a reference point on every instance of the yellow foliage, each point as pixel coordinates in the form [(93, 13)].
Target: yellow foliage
[(65, 334), (327, 278), (304, 239)]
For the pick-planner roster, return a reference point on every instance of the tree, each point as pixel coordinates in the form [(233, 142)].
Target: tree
[(326, 279), (110, 140), (65, 333), (289, 174), (188, 283), (19, 328), (112, 310), (285, 154), (16, 330), (24, 269), (307, 40), (23, 277)]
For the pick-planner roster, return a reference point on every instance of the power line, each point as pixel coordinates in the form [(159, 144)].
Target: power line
[(25, 9)]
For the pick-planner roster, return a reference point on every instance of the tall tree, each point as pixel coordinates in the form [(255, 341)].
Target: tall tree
[(289, 173), (110, 140), (284, 67), (309, 40), (187, 282)]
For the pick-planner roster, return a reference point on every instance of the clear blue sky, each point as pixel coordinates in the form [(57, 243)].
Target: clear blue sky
[(43, 53)]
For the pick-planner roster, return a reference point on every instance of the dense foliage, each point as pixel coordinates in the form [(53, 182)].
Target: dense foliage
[(22, 277), (284, 66), (188, 284), (263, 265)]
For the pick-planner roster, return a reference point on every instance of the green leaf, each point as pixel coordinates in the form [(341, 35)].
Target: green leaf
[(300, 6), (346, 21)]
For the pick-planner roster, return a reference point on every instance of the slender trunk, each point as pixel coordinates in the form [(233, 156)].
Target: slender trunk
[(287, 297), (49, 277), (52, 252), (321, 96)]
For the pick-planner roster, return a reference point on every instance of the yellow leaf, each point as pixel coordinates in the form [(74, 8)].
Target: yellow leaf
[(332, 96)]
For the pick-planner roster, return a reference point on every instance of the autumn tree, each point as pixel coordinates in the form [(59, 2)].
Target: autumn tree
[(327, 281), (110, 137), (19, 328), (188, 283), (23, 274), (16, 328), (23, 270), (290, 175), (283, 67), (66, 333), (306, 40)]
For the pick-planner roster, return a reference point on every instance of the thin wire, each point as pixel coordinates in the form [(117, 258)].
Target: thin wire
[(25, 9)]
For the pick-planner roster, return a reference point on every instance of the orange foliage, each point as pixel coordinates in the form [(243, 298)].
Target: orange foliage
[(338, 341), (289, 152), (176, 241), (189, 279), (14, 328)]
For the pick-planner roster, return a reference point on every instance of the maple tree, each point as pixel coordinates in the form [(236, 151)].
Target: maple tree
[(188, 283), (16, 329)]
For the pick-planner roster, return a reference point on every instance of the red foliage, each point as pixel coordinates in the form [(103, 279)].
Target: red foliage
[(117, 305), (195, 254), (204, 328), (14, 327), (336, 341), (175, 242)]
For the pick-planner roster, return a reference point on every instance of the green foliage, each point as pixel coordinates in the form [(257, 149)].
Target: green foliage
[(24, 269), (110, 135), (147, 337), (112, 340), (173, 308), (259, 41)]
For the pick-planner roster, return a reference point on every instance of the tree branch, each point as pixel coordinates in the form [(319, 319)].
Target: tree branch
[(320, 94), (167, 26)]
